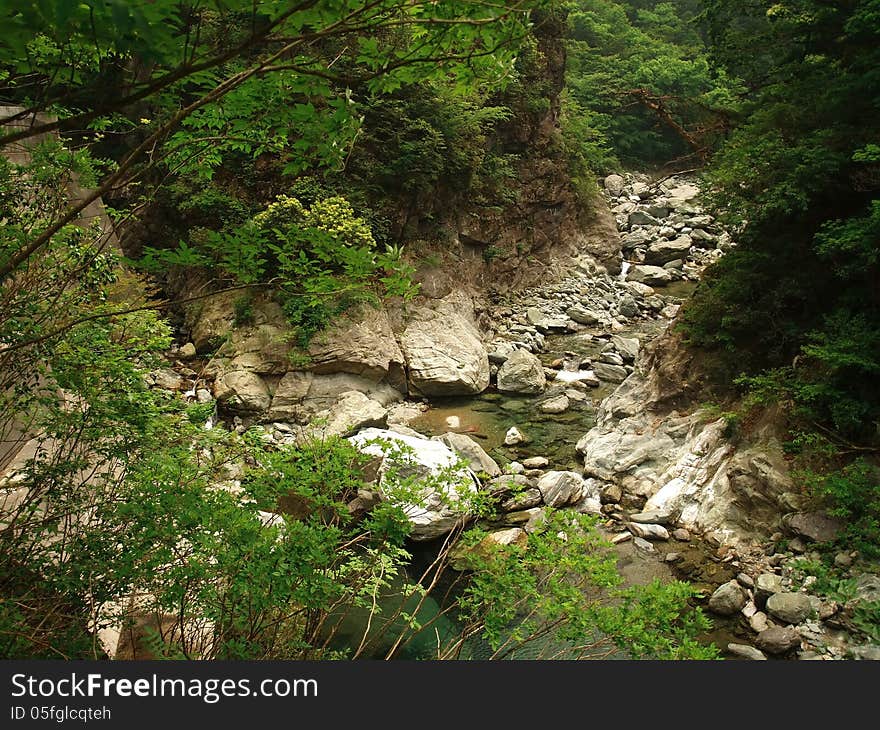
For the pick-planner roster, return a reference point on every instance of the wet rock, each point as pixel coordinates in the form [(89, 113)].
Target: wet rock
[(628, 347), (728, 599), (644, 545), (648, 531), (778, 640), (536, 462), (610, 373), (559, 488), (792, 608), (522, 372), (514, 437), (559, 404), (659, 517), (478, 460), (744, 651)]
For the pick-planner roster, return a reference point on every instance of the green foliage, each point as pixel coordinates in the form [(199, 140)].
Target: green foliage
[(866, 618), (828, 581)]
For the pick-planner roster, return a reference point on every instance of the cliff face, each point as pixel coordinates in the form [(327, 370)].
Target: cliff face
[(517, 244)]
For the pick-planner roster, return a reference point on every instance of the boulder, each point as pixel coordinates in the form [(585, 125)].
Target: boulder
[(728, 599), (522, 372), (288, 397), (815, 526), (363, 344), (648, 531), (663, 251), (766, 584), (514, 436), (444, 355), (650, 275), (614, 184), (242, 391), (792, 608), (438, 507), (559, 488), (656, 517), (526, 499), (641, 218), (559, 404), (352, 412), (778, 639), (478, 460), (465, 558), (610, 373), (628, 307), (744, 651), (628, 347), (166, 379), (536, 462), (582, 315)]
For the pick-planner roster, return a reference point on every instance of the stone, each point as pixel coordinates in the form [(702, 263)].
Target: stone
[(614, 184), (501, 350), (559, 404), (536, 462), (478, 460), (514, 436), (166, 379), (524, 500), (648, 531), (514, 467), (778, 640), (352, 412), (437, 511), (868, 587), (792, 608), (766, 584), (672, 557), (758, 622), (203, 395), (522, 372), (639, 290), (581, 315), (843, 560), (663, 251), (868, 652), (744, 651), (650, 275), (745, 580), (635, 239), (187, 352), (658, 517), (815, 526), (644, 545), (242, 391), (621, 537), (610, 373), (628, 347), (641, 218), (611, 493), (289, 395), (611, 358), (559, 488), (628, 307), (361, 343), (728, 599), (681, 535), (444, 355)]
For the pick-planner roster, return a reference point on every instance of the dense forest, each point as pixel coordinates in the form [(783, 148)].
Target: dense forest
[(313, 155)]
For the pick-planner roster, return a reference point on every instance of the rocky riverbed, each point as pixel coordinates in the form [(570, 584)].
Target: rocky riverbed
[(561, 396)]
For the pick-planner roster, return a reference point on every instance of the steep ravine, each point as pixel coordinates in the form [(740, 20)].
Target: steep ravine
[(579, 390)]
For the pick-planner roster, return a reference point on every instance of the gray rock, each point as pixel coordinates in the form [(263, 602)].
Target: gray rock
[(203, 395), (744, 651), (792, 608), (628, 347), (582, 315), (444, 355), (621, 537), (241, 391), (514, 436), (815, 526), (644, 545), (614, 184), (289, 394), (559, 488), (766, 584), (635, 239), (641, 218), (648, 531), (628, 307), (436, 510), (187, 352), (843, 560), (650, 275), (745, 580), (728, 599), (681, 535), (868, 587), (611, 358), (611, 493), (663, 251), (524, 500), (870, 652), (514, 467), (166, 379), (610, 373), (478, 460), (778, 640), (658, 517), (522, 373), (559, 404), (536, 462), (758, 622), (352, 412)]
